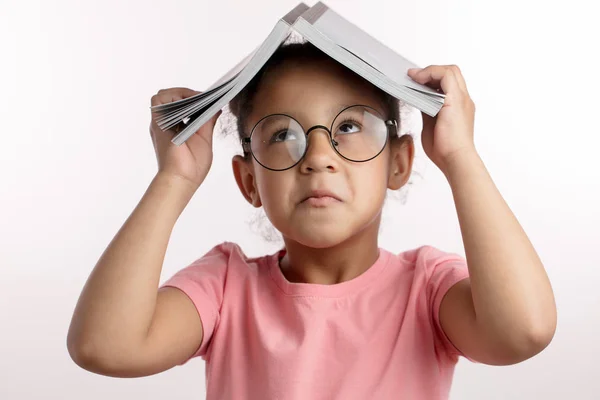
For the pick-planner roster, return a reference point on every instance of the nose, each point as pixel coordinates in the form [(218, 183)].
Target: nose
[(320, 155)]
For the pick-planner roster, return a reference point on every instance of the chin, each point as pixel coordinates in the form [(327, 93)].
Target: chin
[(319, 242), (319, 236), (321, 229)]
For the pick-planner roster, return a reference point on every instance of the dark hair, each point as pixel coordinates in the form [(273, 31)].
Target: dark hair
[(301, 52)]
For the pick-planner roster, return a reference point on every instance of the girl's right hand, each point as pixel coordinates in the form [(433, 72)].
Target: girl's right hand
[(191, 160)]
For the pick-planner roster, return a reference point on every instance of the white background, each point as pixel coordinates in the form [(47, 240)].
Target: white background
[(75, 158)]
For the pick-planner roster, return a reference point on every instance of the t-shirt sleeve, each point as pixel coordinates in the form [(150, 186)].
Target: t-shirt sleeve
[(203, 282), (445, 270)]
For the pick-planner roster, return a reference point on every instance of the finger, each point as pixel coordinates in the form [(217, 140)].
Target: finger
[(433, 76), (185, 92), (164, 96), (436, 76), (162, 138), (426, 133), (460, 80), (204, 135)]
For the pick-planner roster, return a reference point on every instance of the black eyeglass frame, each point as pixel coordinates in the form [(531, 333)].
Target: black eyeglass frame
[(391, 124)]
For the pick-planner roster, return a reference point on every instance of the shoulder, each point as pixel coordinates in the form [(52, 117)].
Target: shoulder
[(228, 255), (431, 267), (426, 259), (217, 262), (224, 268)]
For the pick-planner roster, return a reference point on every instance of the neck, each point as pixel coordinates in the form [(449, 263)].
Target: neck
[(331, 265)]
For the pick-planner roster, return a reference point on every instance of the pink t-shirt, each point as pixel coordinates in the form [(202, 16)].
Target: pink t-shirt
[(376, 336)]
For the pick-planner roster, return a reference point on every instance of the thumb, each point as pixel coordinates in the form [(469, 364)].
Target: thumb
[(204, 135), (427, 132)]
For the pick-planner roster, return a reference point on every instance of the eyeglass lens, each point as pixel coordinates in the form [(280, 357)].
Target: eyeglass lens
[(358, 133)]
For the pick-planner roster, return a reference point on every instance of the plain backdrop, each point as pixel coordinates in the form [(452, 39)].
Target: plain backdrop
[(76, 80)]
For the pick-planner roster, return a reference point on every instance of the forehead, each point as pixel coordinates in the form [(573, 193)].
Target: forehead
[(312, 91)]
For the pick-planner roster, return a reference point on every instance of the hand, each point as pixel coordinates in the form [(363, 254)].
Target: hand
[(450, 133), (191, 160)]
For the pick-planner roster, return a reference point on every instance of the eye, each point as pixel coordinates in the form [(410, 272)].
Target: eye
[(348, 126), (284, 135)]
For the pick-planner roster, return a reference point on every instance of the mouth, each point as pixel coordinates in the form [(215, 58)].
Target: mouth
[(321, 198)]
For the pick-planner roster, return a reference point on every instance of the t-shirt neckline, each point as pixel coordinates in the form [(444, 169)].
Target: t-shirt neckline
[(323, 290)]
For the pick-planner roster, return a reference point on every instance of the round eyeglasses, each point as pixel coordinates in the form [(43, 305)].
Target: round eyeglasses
[(358, 133)]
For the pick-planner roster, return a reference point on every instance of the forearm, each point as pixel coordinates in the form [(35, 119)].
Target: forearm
[(117, 303), (511, 292)]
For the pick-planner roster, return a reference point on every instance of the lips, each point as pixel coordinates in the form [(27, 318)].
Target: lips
[(321, 197)]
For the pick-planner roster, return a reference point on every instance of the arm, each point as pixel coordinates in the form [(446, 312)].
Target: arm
[(122, 326), (505, 313)]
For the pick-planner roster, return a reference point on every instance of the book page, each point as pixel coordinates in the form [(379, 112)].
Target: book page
[(232, 73), (362, 45), (289, 18)]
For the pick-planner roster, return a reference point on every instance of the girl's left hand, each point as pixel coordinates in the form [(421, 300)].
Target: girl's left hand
[(450, 133)]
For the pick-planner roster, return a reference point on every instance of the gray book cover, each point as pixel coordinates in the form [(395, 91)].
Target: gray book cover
[(365, 55), (332, 34), (197, 110)]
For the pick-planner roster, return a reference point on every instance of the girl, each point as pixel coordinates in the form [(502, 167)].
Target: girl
[(330, 315)]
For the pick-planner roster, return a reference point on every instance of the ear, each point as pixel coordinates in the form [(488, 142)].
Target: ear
[(243, 171), (401, 161)]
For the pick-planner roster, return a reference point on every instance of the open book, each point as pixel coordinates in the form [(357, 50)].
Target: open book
[(329, 32)]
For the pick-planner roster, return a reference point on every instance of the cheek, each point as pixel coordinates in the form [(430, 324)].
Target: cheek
[(274, 190), (369, 184), (276, 194)]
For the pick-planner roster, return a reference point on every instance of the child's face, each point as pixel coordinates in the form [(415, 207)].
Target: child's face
[(313, 95)]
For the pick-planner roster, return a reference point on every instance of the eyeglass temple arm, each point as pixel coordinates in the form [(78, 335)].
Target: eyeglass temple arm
[(245, 144), (392, 123)]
